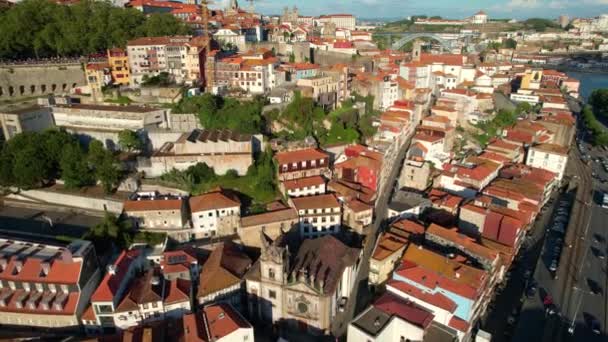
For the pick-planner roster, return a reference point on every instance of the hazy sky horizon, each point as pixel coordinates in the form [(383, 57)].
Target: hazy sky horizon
[(445, 8)]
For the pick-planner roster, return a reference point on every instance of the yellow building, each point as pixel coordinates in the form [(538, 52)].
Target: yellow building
[(97, 76), (532, 79), (119, 64)]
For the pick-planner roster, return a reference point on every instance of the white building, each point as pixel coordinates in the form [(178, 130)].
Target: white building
[(302, 290), (219, 323), (104, 123), (479, 18), (550, 157), (319, 215), (343, 21), (226, 36), (149, 56), (390, 319), (304, 186), (216, 213)]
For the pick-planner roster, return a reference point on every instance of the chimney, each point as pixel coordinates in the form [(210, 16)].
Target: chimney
[(46, 267), (66, 255), (18, 266), (112, 269)]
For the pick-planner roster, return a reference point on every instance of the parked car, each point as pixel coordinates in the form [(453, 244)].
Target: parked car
[(595, 288), (553, 266), (531, 291), (594, 325)]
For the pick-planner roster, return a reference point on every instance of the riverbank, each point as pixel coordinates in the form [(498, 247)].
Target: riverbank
[(589, 81)]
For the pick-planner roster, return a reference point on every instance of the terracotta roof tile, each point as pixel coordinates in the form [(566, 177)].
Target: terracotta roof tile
[(217, 199), (304, 182), (288, 214), (225, 267), (110, 284), (436, 299), (314, 202), (408, 311), (299, 156), (159, 204)]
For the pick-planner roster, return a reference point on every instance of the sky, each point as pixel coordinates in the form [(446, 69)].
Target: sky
[(454, 9)]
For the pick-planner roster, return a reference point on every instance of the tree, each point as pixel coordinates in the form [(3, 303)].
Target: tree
[(599, 101), (163, 79), (107, 173), (129, 140), (111, 231), (96, 153), (41, 28), (29, 170), (292, 58), (75, 171), (510, 43)]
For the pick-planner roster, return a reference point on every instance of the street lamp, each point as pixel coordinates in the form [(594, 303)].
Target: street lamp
[(578, 306)]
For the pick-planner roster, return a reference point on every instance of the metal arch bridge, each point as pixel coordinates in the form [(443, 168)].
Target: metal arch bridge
[(409, 36)]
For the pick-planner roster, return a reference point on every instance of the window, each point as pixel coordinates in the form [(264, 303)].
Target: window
[(145, 306), (154, 305), (272, 294), (271, 273)]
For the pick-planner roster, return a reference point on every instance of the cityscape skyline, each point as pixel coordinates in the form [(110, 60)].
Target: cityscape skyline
[(398, 9)]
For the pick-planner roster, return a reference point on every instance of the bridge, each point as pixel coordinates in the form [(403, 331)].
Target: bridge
[(446, 40)]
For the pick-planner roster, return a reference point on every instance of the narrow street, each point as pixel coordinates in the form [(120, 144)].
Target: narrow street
[(581, 262), (361, 296)]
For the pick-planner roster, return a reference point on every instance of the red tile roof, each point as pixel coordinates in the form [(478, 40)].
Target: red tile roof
[(67, 302), (88, 314), (358, 206), (449, 273), (408, 226), (459, 324), (388, 244), (109, 285), (436, 299), (300, 156), (316, 202), (448, 59), (158, 204), (31, 270), (177, 261), (301, 183), (217, 199), (223, 320), (463, 242), (177, 291), (408, 311)]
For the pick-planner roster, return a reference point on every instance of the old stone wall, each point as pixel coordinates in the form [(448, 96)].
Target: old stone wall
[(40, 79)]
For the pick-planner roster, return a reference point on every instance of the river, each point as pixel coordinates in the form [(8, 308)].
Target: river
[(589, 81)]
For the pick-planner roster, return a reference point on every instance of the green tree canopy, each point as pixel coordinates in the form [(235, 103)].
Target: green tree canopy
[(128, 139), (599, 101), (75, 171), (42, 28)]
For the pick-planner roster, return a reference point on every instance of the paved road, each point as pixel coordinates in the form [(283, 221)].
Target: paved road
[(579, 263), (361, 296), (506, 303)]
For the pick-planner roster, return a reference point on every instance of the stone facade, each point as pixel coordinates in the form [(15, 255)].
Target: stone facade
[(286, 291)]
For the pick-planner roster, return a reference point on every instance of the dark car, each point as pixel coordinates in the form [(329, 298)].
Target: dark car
[(531, 291), (594, 286), (594, 325), (592, 322)]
